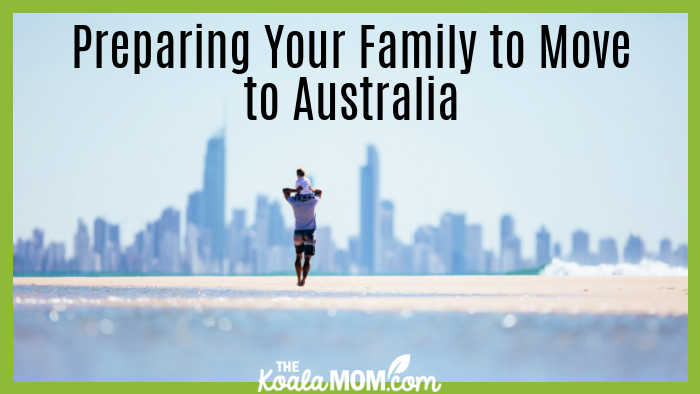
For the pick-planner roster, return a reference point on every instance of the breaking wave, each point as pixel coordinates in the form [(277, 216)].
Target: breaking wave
[(644, 268)]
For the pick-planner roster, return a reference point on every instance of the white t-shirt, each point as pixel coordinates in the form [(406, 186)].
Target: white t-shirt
[(305, 185)]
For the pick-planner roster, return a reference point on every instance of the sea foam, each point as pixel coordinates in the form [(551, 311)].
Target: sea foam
[(645, 268)]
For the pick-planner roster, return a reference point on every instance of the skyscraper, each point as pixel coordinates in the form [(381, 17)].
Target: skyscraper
[(665, 250), (354, 252), (510, 245), (680, 256), (452, 242), (113, 236), (507, 230), (112, 254), (81, 248), (556, 252), (634, 249), (197, 238), (607, 251), (390, 261), (55, 257), (386, 221), (369, 212), (214, 194), (277, 231), (580, 251), (99, 229), (475, 253), (195, 208), (511, 258), (543, 251), (425, 247), (261, 226), (168, 241), (325, 250), (237, 233)]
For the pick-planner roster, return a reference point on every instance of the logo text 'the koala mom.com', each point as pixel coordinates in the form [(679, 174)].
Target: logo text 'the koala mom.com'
[(288, 378)]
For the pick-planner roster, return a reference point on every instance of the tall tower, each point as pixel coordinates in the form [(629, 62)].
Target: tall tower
[(607, 251), (81, 248), (665, 250), (214, 194), (507, 230), (474, 256), (507, 234), (452, 242), (634, 249), (100, 237), (580, 251), (369, 212), (543, 255)]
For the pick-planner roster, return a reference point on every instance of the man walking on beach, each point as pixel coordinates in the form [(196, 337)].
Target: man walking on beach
[(304, 206)]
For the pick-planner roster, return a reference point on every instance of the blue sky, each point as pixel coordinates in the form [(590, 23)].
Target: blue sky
[(600, 149)]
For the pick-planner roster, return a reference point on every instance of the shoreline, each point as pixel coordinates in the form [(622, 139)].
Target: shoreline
[(625, 295)]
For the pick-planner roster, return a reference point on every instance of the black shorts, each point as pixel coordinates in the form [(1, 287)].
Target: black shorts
[(305, 241)]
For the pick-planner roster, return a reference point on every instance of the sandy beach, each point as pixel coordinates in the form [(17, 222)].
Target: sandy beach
[(473, 294)]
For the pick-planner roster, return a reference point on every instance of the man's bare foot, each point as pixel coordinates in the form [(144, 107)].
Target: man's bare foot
[(302, 282)]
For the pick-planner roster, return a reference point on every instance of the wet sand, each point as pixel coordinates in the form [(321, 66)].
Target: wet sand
[(473, 294)]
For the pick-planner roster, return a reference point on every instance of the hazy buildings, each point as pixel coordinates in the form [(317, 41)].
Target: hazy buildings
[(391, 253), (542, 248), (680, 256), (556, 250), (426, 260), (489, 261), (270, 241), (634, 249), (214, 194), (354, 254), (323, 261), (510, 257), (452, 242), (205, 230), (580, 247), (106, 246), (29, 255), (99, 230), (507, 230), (261, 228), (665, 250), (370, 247), (386, 222), (167, 235), (277, 230), (474, 253), (607, 251), (81, 248), (55, 258), (265, 245), (237, 236)]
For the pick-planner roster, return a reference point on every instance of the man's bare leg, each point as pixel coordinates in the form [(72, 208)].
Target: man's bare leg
[(297, 266), (307, 267)]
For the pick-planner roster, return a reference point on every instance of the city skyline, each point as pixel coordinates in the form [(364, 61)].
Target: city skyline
[(210, 246), (567, 148)]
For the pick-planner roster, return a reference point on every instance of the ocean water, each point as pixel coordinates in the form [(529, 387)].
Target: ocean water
[(56, 340), (645, 267)]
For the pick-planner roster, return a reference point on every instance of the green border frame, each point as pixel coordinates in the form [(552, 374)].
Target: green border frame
[(313, 6)]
